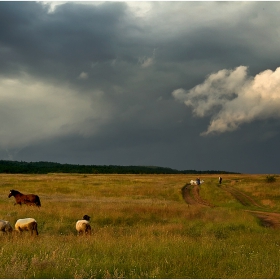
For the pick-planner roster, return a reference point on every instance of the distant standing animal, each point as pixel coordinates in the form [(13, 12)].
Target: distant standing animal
[(220, 180), (5, 226), (29, 199), (83, 226), (27, 224)]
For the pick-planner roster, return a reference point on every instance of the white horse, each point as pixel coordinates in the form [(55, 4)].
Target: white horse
[(194, 182)]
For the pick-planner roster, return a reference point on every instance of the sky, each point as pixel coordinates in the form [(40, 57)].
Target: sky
[(186, 85)]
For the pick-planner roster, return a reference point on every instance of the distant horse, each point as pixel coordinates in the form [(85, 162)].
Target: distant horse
[(29, 199)]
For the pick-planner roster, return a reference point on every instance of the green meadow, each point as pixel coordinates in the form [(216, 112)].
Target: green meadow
[(141, 228)]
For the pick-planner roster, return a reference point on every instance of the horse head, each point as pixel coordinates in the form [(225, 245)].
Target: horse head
[(12, 192)]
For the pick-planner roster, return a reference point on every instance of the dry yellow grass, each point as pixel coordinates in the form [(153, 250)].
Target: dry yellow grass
[(142, 228)]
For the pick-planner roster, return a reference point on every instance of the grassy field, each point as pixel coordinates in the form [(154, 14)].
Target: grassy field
[(141, 228)]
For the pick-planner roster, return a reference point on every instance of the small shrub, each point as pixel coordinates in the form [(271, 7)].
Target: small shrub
[(270, 179)]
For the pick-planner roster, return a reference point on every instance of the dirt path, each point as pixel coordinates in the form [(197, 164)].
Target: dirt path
[(191, 195), (267, 219), (243, 198), (186, 193)]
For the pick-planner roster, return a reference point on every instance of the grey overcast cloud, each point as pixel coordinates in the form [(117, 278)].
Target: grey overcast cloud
[(185, 85)]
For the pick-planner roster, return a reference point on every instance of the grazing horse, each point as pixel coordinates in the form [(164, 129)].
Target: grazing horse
[(29, 199)]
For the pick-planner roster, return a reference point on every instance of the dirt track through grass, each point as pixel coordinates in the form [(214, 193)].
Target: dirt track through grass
[(267, 219), (191, 195), (187, 196), (243, 198)]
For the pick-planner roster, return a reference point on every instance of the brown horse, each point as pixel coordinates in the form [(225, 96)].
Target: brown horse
[(29, 199)]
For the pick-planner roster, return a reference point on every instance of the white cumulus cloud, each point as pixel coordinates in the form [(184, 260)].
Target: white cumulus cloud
[(232, 98)]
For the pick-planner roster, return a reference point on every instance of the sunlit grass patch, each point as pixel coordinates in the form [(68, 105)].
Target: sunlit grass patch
[(141, 228)]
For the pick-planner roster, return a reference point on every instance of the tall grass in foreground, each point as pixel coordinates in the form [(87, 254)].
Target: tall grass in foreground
[(136, 255), (142, 228)]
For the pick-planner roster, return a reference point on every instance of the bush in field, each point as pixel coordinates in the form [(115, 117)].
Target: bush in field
[(270, 179)]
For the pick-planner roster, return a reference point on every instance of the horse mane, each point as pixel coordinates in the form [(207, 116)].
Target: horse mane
[(14, 192)]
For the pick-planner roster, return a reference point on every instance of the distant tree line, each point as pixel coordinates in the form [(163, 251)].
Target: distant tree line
[(42, 167)]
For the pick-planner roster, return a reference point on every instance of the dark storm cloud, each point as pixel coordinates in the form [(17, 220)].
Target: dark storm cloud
[(57, 42), (92, 83)]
